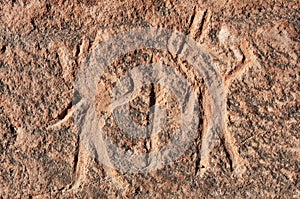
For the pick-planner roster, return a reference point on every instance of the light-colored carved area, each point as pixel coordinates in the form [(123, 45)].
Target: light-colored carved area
[(254, 45)]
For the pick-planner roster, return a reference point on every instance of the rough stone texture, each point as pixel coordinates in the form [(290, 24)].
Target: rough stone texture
[(254, 44)]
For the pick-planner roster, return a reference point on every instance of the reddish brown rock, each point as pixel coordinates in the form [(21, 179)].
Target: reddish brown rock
[(254, 45)]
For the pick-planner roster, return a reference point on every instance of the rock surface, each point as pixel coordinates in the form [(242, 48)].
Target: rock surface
[(255, 47)]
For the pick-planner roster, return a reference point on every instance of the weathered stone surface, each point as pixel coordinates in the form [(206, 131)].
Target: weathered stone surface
[(254, 45)]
